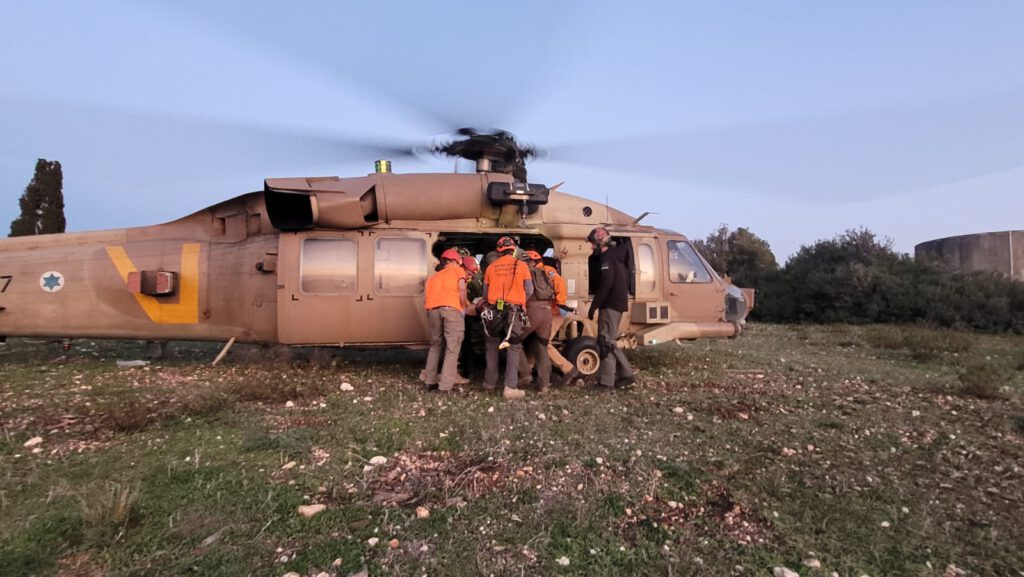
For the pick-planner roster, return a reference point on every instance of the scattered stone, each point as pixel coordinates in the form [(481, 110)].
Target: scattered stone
[(131, 364), (953, 571), (424, 548), (347, 387), (367, 468), (422, 512), (679, 410), (291, 574), (289, 465), (308, 511), (784, 572), (372, 541), (323, 574), (394, 543), (563, 561), (812, 563), (673, 504), (289, 404), (283, 559), (787, 452), (337, 562), (599, 461), (378, 460), (885, 524), (213, 538), (33, 442), (37, 450)]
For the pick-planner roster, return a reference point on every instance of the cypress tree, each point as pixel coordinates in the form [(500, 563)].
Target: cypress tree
[(42, 204)]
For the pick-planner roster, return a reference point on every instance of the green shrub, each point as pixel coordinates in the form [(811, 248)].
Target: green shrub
[(984, 380)]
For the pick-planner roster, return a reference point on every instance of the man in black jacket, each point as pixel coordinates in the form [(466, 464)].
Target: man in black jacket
[(611, 299)]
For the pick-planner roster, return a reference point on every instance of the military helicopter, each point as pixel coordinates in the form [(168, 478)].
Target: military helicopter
[(332, 261)]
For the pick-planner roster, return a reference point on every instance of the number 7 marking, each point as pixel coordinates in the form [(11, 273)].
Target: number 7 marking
[(7, 282)]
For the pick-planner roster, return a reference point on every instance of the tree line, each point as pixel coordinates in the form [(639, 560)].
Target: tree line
[(857, 278)]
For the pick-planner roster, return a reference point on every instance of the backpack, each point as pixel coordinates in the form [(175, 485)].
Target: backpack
[(543, 286)]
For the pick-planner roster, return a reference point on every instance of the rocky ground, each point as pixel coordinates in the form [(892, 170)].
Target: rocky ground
[(815, 450)]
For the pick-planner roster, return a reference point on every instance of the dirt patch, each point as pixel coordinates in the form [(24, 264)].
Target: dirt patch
[(715, 512), (442, 479)]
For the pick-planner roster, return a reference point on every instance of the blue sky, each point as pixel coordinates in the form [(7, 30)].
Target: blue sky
[(796, 119)]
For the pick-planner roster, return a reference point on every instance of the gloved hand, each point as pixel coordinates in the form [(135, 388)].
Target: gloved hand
[(567, 309), (590, 313)]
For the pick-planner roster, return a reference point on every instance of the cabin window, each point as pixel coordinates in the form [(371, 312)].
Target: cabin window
[(400, 266), (685, 265), (646, 270), (329, 265)]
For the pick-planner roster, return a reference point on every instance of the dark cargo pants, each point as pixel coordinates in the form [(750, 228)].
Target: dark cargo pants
[(614, 364)]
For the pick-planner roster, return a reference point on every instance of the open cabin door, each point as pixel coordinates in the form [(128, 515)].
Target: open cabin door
[(353, 287)]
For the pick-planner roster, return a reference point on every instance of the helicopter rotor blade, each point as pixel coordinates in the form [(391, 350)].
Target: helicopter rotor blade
[(141, 144), (833, 160)]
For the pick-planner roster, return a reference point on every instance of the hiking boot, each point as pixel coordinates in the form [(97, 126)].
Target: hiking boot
[(569, 379), (625, 382), (461, 380), (512, 394)]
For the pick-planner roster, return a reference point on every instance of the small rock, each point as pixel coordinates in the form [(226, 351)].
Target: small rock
[(784, 572), (33, 442), (291, 574), (37, 450), (424, 548), (678, 410), (885, 524), (422, 512), (812, 563), (787, 452), (953, 571), (367, 468), (361, 573), (672, 505), (289, 465), (372, 541), (599, 461), (337, 562), (323, 574), (394, 543), (378, 460), (289, 405), (346, 387), (308, 511), (834, 574), (283, 559), (563, 561)]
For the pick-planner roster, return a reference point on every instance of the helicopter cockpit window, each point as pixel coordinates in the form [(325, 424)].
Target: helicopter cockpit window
[(328, 266), (400, 266), (684, 265)]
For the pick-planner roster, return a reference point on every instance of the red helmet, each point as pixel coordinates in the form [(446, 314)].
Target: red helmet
[(470, 264), (533, 255), (506, 243), (451, 254)]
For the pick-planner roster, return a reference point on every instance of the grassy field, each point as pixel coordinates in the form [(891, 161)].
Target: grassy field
[(856, 450)]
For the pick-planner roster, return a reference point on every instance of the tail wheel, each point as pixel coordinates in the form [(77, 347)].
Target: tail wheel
[(582, 352)]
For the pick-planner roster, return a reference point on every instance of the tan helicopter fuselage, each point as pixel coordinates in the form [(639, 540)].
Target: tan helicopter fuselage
[(332, 261)]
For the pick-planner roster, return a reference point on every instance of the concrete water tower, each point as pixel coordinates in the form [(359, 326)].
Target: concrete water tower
[(1001, 252)]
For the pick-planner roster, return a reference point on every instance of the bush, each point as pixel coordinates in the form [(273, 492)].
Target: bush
[(984, 380), (857, 278), (108, 509)]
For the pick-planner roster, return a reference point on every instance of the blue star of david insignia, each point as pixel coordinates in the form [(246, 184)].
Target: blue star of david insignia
[(51, 282)]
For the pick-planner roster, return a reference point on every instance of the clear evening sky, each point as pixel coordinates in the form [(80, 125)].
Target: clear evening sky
[(796, 119)]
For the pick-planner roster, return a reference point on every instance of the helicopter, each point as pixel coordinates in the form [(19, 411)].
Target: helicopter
[(342, 261)]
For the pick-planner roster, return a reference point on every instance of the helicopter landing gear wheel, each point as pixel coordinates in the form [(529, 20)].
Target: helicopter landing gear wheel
[(582, 352)]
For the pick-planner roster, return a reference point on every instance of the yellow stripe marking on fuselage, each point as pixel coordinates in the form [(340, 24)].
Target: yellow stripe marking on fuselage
[(183, 312)]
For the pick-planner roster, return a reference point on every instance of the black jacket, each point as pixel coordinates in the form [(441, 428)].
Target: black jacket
[(612, 271)]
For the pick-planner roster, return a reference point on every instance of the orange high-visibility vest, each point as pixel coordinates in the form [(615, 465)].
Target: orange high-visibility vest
[(443, 288), (561, 290), (506, 280)]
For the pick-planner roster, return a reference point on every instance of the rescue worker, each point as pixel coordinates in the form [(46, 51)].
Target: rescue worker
[(538, 310), (610, 301), (507, 286), (558, 309), (473, 338), (446, 307)]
